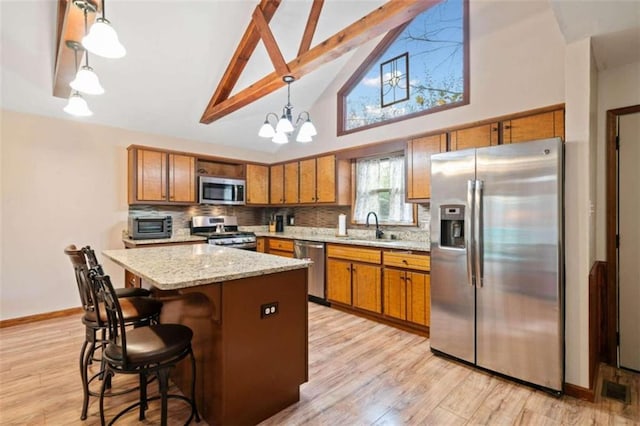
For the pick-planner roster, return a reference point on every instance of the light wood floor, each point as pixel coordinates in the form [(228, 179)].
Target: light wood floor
[(360, 373)]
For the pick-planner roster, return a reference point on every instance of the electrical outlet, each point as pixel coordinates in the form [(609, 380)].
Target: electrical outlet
[(268, 310)]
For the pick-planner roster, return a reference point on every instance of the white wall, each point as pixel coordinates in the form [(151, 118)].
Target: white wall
[(578, 230), (505, 76), (617, 88), (64, 182)]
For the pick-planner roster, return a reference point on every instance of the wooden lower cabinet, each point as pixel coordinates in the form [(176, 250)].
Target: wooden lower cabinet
[(354, 277), (366, 284), (261, 244), (339, 281), (131, 280), (407, 295), (389, 286), (355, 284), (280, 247), (418, 297), (395, 293)]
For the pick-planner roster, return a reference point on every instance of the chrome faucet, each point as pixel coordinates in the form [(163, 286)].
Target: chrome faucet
[(379, 232)]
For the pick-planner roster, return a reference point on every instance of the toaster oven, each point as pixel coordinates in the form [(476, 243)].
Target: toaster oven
[(150, 227)]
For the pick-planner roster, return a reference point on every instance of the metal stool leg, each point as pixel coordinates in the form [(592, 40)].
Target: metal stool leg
[(84, 378), (194, 408)]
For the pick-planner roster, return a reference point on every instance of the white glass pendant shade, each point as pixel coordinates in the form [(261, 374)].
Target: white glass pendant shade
[(280, 138), (266, 131), (303, 138), (307, 130), (77, 106), (102, 40), (284, 125), (87, 81)]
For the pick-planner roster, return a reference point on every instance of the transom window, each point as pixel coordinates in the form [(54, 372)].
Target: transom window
[(380, 189), (417, 69)]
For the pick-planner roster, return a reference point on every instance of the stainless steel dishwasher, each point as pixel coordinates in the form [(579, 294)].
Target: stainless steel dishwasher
[(315, 252)]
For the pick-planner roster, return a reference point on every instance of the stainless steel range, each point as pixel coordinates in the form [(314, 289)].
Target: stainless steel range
[(223, 231)]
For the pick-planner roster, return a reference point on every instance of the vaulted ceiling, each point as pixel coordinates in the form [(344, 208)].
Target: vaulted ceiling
[(178, 51)]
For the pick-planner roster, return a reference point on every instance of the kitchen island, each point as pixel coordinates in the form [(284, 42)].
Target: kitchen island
[(248, 312)]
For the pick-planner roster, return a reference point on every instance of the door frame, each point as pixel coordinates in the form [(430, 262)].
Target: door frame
[(611, 303)]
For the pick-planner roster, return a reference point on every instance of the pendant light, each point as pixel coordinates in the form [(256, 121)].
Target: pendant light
[(86, 80), (102, 39), (76, 106), (285, 126)]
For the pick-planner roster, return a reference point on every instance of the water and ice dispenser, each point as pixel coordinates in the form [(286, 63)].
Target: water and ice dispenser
[(452, 225)]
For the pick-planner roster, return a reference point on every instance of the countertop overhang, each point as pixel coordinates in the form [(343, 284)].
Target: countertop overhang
[(175, 267)]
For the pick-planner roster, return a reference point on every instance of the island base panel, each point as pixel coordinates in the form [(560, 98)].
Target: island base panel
[(250, 365)]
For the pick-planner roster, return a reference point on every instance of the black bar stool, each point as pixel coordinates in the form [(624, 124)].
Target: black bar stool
[(137, 311), (153, 349)]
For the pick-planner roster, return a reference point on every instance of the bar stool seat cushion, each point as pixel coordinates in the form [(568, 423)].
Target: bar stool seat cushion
[(153, 344)]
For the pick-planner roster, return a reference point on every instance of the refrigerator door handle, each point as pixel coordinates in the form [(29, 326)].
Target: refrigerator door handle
[(478, 234), (469, 243)]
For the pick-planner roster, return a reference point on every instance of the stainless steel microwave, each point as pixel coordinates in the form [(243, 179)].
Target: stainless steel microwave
[(214, 190), (150, 227)]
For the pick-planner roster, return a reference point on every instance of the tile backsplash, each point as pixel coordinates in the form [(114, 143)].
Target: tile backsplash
[(312, 216)]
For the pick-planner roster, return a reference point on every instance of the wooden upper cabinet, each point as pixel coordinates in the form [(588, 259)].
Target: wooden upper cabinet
[(182, 178), (276, 184), (291, 183), (538, 126), (160, 177), (419, 165), (474, 137), (257, 184), (326, 179), (308, 181), (150, 175)]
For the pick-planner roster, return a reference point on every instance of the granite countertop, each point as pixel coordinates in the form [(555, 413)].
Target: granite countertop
[(175, 267), (351, 240), (179, 238)]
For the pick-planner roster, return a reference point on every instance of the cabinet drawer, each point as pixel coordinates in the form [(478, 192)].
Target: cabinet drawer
[(282, 245), (421, 262), (281, 253), (354, 253)]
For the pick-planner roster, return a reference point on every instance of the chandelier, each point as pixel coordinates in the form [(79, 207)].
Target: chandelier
[(303, 128)]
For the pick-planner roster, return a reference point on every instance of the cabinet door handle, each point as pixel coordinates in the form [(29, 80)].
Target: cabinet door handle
[(405, 261), (507, 127)]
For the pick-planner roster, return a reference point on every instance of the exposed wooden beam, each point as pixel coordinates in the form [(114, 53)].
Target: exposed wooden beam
[(270, 42), (381, 20), (242, 54), (70, 26), (310, 28)]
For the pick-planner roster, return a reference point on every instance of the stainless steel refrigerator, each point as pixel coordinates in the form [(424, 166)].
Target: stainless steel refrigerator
[(496, 259)]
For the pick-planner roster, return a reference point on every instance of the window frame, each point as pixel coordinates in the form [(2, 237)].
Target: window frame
[(373, 57)]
